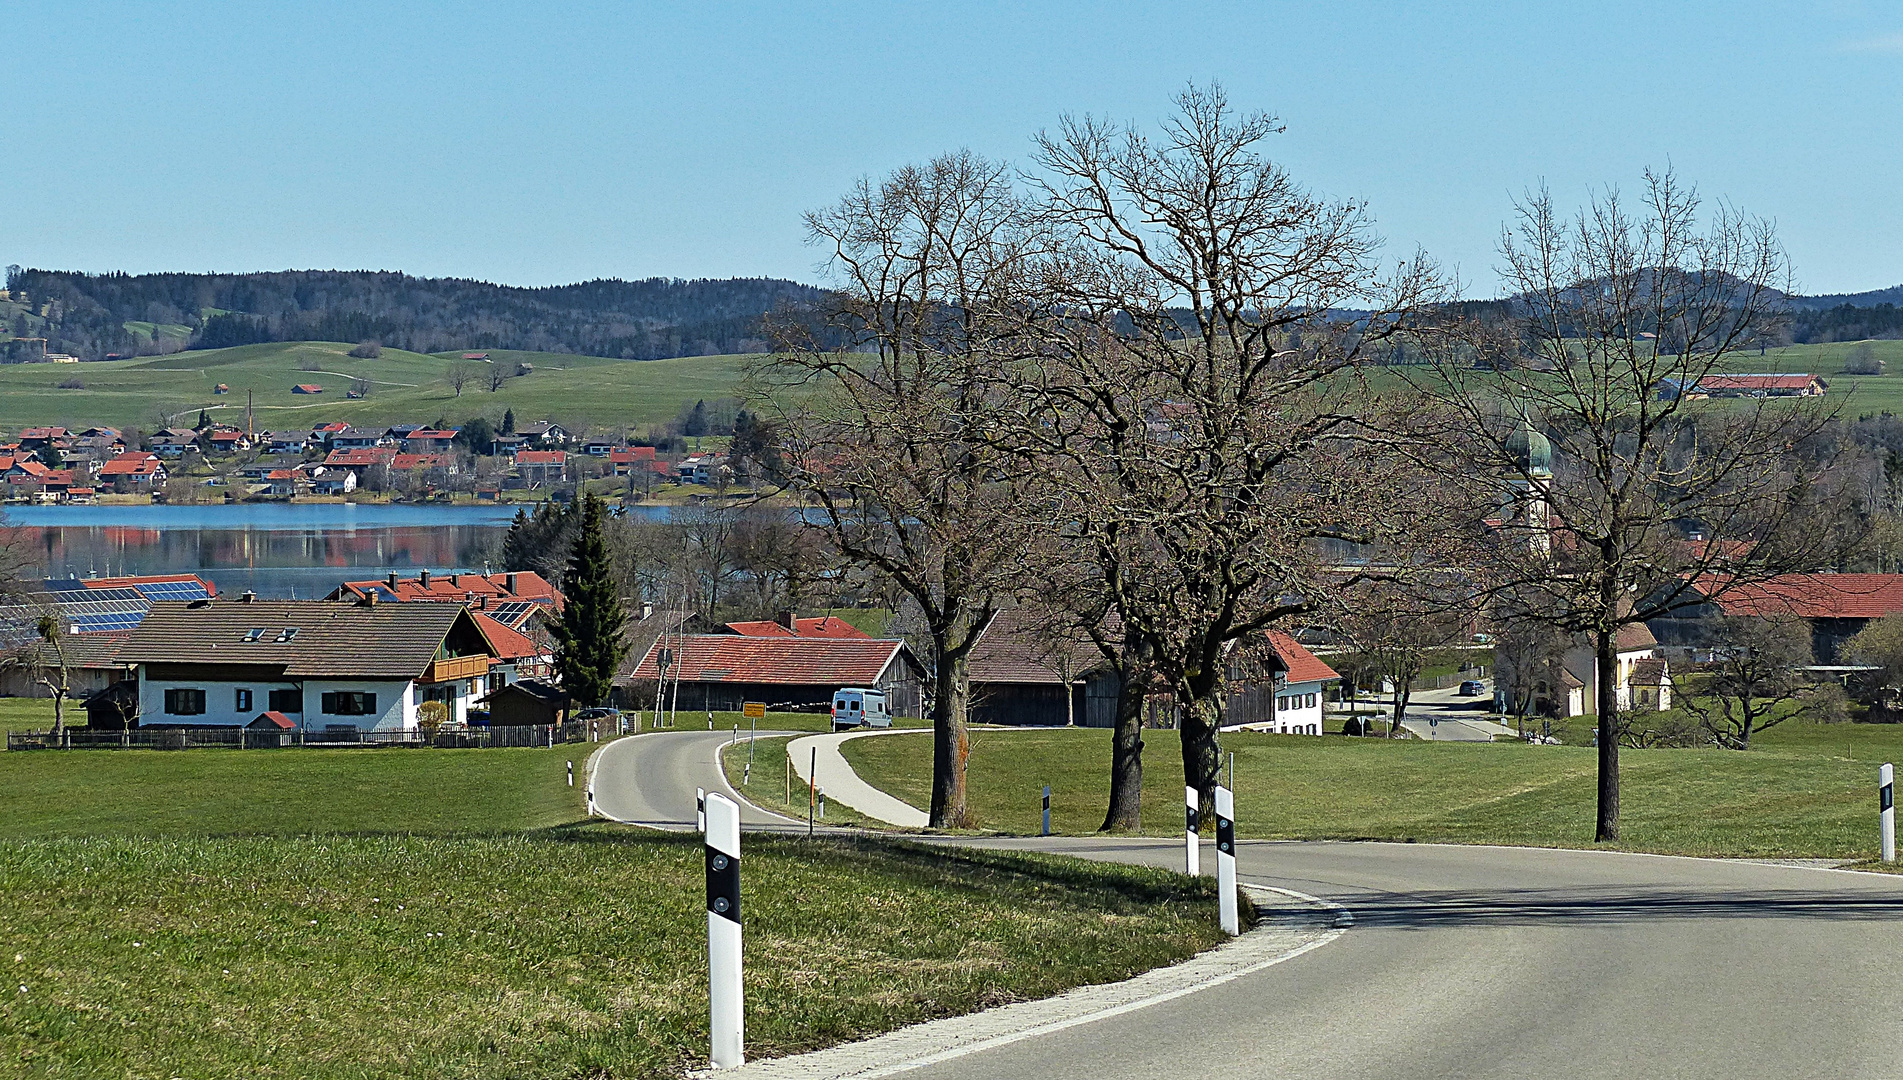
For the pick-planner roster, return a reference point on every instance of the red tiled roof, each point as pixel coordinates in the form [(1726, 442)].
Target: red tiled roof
[(1756, 382), (1302, 664), (362, 455), (274, 719), (1816, 596), (429, 433), (458, 588), (760, 628), (406, 462), (307, 388), (508, 644), (624, 455), (734, 658), (541, 457), (131, 465), (827, 626), (823, 626)]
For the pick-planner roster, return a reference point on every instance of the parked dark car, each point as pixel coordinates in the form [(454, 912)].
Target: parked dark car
[(1470, 688)]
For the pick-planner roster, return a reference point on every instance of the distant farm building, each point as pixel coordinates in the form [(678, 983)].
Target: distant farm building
[(1744, 386), (307, 388)]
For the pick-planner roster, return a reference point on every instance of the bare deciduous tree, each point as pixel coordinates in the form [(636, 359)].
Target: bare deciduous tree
[(460, 375), (1755, 680), (1614, 319), (895, 441), (1189, 391)]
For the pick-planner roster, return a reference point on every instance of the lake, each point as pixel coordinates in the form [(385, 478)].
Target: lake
[(274, 549)]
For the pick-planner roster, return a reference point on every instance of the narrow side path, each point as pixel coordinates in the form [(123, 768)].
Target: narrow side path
[(818, 755)]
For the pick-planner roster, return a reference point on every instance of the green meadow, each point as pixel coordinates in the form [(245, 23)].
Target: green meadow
[(1803, 790), (151, 392), (452, 913)]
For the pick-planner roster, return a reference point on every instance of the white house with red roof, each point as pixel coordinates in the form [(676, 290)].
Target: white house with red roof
[(133, 469), (1299, 687)]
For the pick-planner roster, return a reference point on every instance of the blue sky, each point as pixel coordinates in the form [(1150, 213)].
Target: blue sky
[(543, 143)]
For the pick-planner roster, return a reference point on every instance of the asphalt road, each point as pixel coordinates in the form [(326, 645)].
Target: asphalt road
[(650, 779), (1507, 963)]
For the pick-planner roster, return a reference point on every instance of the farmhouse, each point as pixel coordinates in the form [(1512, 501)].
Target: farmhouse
[(330, 666), (628, 460), (1835, 605), (133, 469), (537, 467), (722, 671), (1736, 386), (307, 388)]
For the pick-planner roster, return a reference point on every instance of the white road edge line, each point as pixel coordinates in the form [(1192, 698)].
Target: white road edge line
[(815, 1065)]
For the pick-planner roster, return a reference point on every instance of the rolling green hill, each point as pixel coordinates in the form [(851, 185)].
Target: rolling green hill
[(573, 390)]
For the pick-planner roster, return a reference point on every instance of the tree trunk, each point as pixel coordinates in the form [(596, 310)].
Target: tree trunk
[(1403, 693), (59, 710), (1126, 759), (1606, 678), (1202, 753), (951, 742)]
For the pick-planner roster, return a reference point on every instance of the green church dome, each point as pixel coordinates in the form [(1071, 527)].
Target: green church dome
[(1531, 451)]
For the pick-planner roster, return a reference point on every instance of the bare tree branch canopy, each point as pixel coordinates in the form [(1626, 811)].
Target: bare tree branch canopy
[(1189, 385), (1616, 317), (895, 438)]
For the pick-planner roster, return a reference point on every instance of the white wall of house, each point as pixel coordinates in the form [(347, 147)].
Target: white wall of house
[(395, 702), (1298, 709)]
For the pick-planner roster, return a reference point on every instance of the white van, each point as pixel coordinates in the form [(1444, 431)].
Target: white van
[(860, 708)]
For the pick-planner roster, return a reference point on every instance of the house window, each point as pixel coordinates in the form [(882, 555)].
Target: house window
[(349, 703), (1281, 704), (241, 700), (185, 702), (1310, 701), (287, 701), (497, 680)]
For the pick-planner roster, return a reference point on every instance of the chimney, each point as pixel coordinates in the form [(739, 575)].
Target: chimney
[(508, 582), (247, 596), (453, 582), (391, 580), (422, 579), (785, 619), (369, 599), (647, 610)]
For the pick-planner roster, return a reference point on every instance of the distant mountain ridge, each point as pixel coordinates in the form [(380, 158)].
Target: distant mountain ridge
[(1873, 298), (95, 315)]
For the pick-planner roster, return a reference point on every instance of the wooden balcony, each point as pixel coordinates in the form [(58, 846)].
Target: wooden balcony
[(457, 667)]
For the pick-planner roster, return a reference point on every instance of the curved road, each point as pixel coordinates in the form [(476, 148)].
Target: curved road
[(1506, 963), (650, 779)]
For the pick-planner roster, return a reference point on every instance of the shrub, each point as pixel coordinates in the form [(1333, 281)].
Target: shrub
[(1863, 361), (367, 350), (71, 384)]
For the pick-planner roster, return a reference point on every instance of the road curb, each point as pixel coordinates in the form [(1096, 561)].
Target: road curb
[(1290, 933)]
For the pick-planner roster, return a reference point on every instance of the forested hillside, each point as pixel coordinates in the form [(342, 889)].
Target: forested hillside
[(96, 315)]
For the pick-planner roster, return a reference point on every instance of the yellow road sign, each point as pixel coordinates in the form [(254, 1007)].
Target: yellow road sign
[(754, 710)]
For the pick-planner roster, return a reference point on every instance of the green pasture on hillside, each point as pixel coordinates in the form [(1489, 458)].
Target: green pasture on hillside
[(150, 392), (1804, 790)]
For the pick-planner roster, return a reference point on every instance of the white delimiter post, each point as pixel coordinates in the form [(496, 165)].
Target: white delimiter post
[(1192, 841), (1226, 861), (700, 809), (1886, 802), (728, 997)]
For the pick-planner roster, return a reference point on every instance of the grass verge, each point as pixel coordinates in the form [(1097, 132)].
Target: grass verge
[(1806, 790), (772, 785), (577, 953), (290, 791)]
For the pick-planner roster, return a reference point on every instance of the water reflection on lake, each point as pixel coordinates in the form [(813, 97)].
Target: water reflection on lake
[(276, 550)]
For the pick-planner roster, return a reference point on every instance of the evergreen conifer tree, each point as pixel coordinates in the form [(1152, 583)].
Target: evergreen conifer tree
[(589, 644), (508, 421)]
